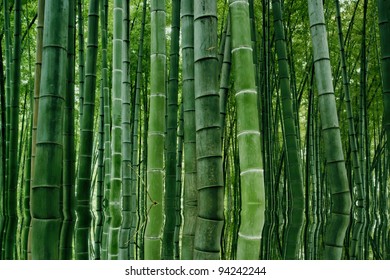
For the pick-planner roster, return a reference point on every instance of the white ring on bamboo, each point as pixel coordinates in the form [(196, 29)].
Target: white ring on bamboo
[(242, 48), (252, 237), (245, 132), (252, 170), (239, 2), (249, 91)]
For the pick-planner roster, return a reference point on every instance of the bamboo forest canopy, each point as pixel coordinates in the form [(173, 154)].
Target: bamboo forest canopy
[(194, 129)]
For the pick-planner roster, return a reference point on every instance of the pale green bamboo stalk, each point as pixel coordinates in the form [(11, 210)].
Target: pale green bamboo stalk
[(248, 134)]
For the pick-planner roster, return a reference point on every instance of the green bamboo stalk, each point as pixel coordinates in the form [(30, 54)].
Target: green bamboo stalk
[(13, 163), (68, 192), (83, 223), (358, 195), (116, 132), (179, 169), (171, 142), (107, 129), (37, 84), (156, 132), (100, 181), (190, 197), (209, 223), (142, 187), (45, 193), (100, 206), (8, 90), (225, 77), (24, 199), (125, 226), (135, 158), (80, 19), (2, 150), (248, 135), (384, 23), (293, 234), (337, 180)]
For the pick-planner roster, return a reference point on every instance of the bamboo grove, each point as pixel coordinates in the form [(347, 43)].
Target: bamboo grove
[(194, 129)]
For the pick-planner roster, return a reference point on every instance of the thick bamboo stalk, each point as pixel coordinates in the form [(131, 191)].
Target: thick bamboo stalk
[(209, 223), (337, 180), (45, 193)]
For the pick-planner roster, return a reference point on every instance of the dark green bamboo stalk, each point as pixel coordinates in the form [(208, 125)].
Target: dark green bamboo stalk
[(45, 193), (68, 191), (209, 223), (126, 139), (248, 135), (171, 142), (336, 173), (116, 135), (179, 169), (107, 129), (2, 150), (156, 132), (100, 219), (135, 176), (293, 234), (225, 77), (190, 196), (8, 90), (37, 84), (384, 31), (13, 164), (358, 194), (83, 223), (25, 198), (80, 19)]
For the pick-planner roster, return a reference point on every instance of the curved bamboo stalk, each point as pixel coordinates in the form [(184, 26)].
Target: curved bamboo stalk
[(335, 165), (293, 234), (358, 194)]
